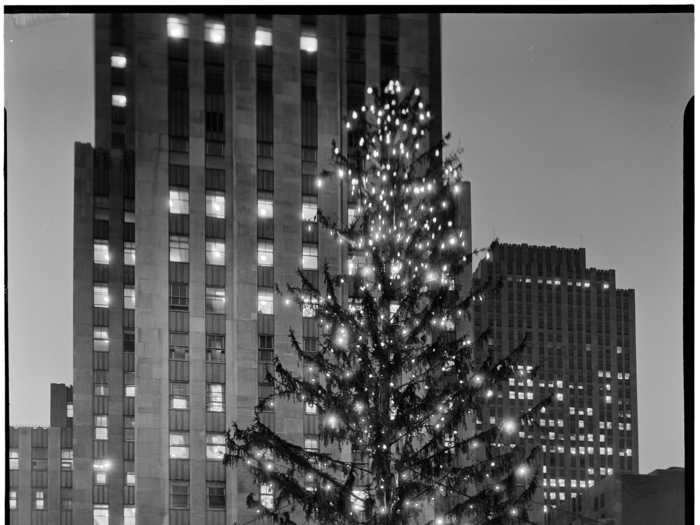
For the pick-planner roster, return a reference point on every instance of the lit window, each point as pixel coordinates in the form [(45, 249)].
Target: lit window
[(100, 433), (215, 32), (13, 499), (310, 408), (265, 208), (101, 252), (100, 339), (118, 61), (606, 286), (309, 211), (177, 27), (131, 479), (179, 445), (14, 459), (215, 397), (265, 302), (263, 37), (100, 478), (311, 444), (308, 42), (216, 253), (179, 396), (179, 201), (119, 100), (267, 499), (101, 389), (265, 251), (129, 390), (559, 396), (100, 296), (129, 298), (353, 214), (179, 249), (216, 446), (216, 205), (309, 257), (608, 399), (357, 500), (69, 410), (129, 253), (129, 515), (215, 300), (39, 500), (309, 307)]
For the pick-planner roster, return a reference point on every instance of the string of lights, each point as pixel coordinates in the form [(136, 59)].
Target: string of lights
[(397, 379)]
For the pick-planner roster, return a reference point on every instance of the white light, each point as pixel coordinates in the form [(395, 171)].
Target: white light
[(523, 470), (215, 32), (509, 426), (118, 61), (332, 420), (308, 43), (119, 100), (177, 27), (263, 37)]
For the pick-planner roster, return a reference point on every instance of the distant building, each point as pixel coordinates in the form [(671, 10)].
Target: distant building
[(582, 338), (40, 462), (657, 498)]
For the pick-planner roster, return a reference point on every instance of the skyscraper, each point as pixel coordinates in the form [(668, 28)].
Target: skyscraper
[(200, 195), (582, 338)]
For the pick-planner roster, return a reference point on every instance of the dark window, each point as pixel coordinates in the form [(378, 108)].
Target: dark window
[(216, 496)]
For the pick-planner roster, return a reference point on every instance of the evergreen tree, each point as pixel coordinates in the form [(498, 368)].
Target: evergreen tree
[(397, 379)]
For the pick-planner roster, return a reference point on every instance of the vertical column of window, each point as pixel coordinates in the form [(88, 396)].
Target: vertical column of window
[(39, 472), (215, 258), (214, 185), (214, 100), (355, 66), (128, 262), (101, 341), (178, 266), (309, 236), (265, 168), (388, 48), (215, 270), (118, 66)]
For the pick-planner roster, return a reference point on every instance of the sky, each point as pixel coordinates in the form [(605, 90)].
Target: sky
[(571, 134)]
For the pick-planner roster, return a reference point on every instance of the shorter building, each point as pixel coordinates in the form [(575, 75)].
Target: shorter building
[(657, 498), (40, 462)]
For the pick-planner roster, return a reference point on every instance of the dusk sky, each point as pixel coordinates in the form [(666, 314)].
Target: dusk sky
[(571, 130)]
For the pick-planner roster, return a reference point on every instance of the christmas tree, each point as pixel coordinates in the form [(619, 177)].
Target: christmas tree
[(397, 379)]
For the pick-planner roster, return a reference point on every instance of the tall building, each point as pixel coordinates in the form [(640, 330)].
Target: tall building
[(656, 498), (40, 464), (582, 339), (200, 194)]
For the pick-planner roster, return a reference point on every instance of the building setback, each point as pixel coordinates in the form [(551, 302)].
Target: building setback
[(582, 339), (40, 462), (657, 498), (200, 194)]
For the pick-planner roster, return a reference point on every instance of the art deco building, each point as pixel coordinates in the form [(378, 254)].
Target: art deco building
[(582, 339), (40, 464), (200, 194)]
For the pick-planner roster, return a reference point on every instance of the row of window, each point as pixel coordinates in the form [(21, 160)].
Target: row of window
[(179, 443), (215, 33)]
